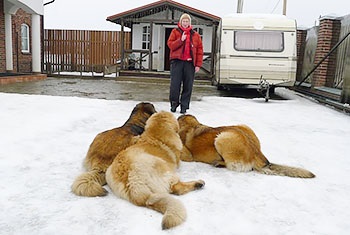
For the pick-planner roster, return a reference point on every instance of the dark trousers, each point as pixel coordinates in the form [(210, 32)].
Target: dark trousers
[(181, 72)]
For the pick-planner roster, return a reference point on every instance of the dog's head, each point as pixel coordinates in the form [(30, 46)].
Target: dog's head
[(164, 127), (139, 115), (162, 121), (187, 124), (145, 107), (187, 121)]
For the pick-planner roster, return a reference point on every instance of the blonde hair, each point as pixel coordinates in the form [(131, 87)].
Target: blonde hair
[(185, 16)]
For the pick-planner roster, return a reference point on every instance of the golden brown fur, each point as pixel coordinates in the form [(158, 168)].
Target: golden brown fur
[(105, 148), (144, 173), (234, 147)]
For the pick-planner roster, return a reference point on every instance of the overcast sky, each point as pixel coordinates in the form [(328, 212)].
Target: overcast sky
[(91, 14)]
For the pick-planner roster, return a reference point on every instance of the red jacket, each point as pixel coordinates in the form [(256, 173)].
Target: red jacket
[(177, 46)]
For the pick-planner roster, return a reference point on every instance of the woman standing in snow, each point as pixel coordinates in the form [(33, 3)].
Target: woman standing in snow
[(186, 57)]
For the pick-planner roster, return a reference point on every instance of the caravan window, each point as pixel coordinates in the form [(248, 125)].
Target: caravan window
[(269, 41)]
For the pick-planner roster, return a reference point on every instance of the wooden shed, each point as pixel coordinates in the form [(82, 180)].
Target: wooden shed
[(150, 27)]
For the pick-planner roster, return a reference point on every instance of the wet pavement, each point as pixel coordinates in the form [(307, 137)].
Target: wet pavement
[(121, 88)]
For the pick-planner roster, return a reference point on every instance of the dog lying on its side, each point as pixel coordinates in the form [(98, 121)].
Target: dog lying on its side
[(144, 173), (234, 147), (105, 148)]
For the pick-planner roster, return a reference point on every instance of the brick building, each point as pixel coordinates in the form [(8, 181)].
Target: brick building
[(20, 36)]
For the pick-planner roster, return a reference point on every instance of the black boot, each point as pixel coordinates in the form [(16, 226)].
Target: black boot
[(174, 105)]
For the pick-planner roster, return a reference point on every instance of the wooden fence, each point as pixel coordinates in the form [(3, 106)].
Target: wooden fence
[(82, 50)]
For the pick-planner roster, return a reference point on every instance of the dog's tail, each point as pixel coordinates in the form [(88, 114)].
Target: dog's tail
[(275, 169), (89, 184), (173, 209)]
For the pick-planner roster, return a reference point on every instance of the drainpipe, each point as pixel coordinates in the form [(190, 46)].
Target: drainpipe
[(42, 36)]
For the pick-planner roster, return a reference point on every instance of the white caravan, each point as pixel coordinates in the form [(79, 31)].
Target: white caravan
[(256, 51)]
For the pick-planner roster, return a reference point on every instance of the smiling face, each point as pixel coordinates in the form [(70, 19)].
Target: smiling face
[(185, 22)]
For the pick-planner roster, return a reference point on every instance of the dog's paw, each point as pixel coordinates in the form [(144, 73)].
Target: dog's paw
[(219, 164), (199, 184)]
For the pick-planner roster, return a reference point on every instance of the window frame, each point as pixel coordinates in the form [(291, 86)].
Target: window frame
[(146, 33), (25, 39), (277, 50), (200, 31)]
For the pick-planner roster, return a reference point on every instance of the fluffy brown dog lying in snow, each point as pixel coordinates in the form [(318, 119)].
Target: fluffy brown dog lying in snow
[(145, 173), (234, 147), (105, 148)]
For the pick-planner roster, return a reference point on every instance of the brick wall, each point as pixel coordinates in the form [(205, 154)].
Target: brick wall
[(22, 62), (328, 36), (2, 38)]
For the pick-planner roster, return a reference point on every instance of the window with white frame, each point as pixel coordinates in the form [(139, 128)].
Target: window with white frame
[(145, 37), (199, 31), (25, 38), (271, 41)]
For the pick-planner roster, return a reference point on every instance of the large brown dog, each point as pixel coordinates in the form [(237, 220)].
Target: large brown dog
[(105, 148), (234, 147), (144, 173)]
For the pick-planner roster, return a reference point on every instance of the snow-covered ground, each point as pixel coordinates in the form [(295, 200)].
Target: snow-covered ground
[(44, 140)]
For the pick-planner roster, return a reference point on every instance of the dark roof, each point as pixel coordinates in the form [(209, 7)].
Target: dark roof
[(129, 17)]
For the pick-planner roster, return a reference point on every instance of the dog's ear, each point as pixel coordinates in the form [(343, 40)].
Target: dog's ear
[(181, 117)]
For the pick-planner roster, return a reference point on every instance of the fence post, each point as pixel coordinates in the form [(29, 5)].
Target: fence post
[(49, 68), (117, 71)]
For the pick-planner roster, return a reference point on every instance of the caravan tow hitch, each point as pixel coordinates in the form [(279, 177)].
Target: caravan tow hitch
[(264, 88)]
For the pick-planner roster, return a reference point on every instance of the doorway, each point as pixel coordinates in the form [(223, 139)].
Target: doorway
[(167, 50)]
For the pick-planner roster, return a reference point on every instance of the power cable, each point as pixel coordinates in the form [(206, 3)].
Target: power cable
[(275, 6)]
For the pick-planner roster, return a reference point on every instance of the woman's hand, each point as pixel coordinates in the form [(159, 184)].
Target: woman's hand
[(183, 37)]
